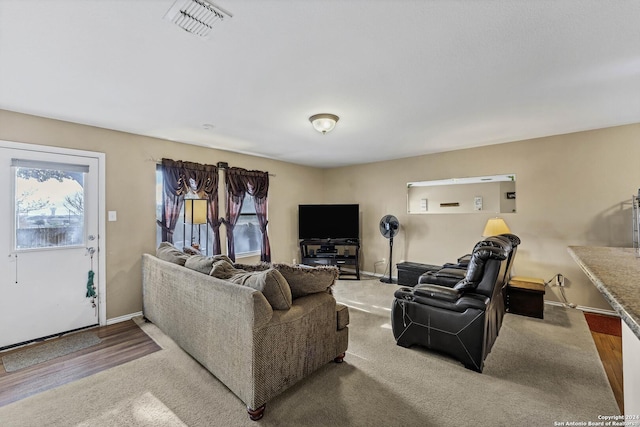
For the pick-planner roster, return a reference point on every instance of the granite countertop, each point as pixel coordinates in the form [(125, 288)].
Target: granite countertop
[(616, 274)]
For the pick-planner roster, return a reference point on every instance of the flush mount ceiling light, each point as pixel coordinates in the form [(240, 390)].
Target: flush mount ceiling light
[(196, 16), (324, 123)]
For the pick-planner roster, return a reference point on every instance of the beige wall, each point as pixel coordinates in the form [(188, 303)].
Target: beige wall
[(572, 189), (130, 188)]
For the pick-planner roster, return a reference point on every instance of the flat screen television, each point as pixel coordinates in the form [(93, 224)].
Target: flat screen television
[(328, 222)]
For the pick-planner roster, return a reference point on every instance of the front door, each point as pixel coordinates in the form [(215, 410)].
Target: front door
[(49, 242)]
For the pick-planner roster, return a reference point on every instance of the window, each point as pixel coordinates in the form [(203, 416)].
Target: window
[(247, 235), (190, 233), (159, 203), (48, 205)]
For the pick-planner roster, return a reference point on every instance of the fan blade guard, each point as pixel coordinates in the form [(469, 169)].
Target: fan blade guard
[(389, 226)]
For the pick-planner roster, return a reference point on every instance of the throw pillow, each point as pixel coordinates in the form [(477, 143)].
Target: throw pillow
[(191, 250), (199, 263), (253, 267), (305, 280), (222, 269), (167, 252), (204, 264), (270, 282), (222, 258)]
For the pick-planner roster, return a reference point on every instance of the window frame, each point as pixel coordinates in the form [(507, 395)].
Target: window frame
[(243, 214), (254, 214), (18, 164)]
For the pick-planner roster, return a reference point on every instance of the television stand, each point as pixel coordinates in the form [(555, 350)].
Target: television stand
[(338, 252)]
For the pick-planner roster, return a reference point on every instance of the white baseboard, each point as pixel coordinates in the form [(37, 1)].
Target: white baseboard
[(557, 303), (587, 309), (368, 273), (124, 318)]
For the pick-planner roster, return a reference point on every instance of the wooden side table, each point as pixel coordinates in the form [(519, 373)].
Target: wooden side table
[(525, 296)]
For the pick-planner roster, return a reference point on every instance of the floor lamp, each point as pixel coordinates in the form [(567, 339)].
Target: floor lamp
[(195, 213)]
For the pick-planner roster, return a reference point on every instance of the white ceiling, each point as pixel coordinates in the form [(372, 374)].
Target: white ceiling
[(406, 77)]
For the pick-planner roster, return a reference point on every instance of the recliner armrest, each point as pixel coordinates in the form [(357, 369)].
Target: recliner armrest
[(443, 297), (465, 302), (455, 265), (438, 292), (451, 272), (473, 301), (445, 276), (463, 261)]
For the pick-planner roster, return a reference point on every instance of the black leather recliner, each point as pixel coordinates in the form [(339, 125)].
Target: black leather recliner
[(462, 321), (452, 273)]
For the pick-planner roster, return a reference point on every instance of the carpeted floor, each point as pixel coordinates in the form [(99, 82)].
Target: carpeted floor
[(539, 372)]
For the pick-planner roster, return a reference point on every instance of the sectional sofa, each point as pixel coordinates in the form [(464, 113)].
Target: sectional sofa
[(258, 331)]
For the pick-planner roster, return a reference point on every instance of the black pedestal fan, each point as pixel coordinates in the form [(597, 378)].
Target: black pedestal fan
[(389, 226)]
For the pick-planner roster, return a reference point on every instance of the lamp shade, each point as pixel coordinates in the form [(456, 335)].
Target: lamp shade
[(195, 211), (324, 123), (494, 227)]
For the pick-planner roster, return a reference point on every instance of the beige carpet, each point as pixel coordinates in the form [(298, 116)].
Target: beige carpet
[(539, 372)]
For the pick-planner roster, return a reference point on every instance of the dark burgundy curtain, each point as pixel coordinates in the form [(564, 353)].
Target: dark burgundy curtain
[(179, 178), (173, 197), (258, 187), (239, 181)]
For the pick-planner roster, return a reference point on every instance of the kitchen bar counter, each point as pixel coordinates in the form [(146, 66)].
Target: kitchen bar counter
[(616, 274)]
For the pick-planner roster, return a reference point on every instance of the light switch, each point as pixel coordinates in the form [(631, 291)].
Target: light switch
[(113, 216)]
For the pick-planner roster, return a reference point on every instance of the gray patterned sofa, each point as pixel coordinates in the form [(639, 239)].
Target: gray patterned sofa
[(230, 324)]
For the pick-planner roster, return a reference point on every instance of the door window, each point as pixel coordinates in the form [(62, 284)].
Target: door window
[(49, 204)]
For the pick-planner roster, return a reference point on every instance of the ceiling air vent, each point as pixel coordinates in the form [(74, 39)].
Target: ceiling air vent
[(196, 16)]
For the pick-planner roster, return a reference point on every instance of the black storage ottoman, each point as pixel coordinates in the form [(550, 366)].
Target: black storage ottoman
[(409, 272)]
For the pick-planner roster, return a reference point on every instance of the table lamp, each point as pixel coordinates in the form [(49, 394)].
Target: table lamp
[(494, 227)]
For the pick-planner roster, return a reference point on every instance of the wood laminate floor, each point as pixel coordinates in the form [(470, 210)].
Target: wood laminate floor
[(607, 336), (121, 343)]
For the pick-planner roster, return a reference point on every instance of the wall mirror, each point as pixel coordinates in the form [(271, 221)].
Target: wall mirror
[(479, 194)]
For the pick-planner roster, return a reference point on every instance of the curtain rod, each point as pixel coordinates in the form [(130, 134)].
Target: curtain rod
[(220, 165)]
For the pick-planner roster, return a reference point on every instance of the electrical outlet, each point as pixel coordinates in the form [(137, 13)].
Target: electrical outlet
[(559, 280), (384, 260)]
